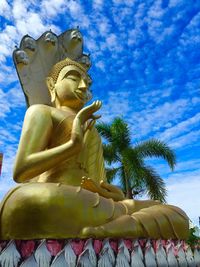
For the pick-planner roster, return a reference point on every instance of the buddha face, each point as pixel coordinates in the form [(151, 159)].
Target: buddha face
[(71, 88)]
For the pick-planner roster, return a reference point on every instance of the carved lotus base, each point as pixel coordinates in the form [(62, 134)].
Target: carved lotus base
[(101, 253)]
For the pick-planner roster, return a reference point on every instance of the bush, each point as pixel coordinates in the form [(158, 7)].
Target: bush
[(193, 240)]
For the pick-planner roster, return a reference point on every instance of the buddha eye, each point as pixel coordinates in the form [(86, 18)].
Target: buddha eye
[(73, 78)]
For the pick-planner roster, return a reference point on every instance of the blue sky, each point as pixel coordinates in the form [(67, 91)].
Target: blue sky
[(146, 68)]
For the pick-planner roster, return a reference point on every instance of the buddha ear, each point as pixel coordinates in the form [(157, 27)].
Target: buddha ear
[(51, 86)]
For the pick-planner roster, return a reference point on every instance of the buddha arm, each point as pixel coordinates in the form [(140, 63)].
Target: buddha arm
[(33, 157)]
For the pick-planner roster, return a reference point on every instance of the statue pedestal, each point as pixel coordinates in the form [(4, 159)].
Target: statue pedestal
[(95, 252)]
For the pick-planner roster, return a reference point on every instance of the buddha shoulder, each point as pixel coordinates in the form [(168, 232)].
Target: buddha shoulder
[(45, 117), (39, 109), (39, 114)]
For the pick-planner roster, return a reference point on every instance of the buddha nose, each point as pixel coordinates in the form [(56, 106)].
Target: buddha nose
[(82, 85)]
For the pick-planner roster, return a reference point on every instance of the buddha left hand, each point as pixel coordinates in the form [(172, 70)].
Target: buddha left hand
[(103, 189)]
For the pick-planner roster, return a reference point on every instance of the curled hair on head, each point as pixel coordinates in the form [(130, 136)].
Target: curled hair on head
[(56, 69)]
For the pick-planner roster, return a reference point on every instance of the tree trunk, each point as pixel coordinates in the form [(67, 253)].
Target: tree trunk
[(127, 185), (129, 193)]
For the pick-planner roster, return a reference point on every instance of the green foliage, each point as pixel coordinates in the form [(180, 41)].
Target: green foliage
[(135, 176), (157, 148), (193, 240)]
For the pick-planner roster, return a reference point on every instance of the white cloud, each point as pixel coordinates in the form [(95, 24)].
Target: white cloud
[(180, 128), (112, 42), (117, 105), (156, 11), (195, 100), (159, 115), (117, 2), (112, 107), (192, 29), (11, 100), (123, 2), (4, 107), (25, 22), (75, 14), (52, 8), (8, 38), (104, 26), (134, 37), (97, 4), (155, 96), (15, 97), (7, 75), (25, 25), (75, 8), (19, 9), (91, 44), (5, 10), (188, 165), (186, 140), (183, 191), (182, 168), (7, 135), (100, 65)]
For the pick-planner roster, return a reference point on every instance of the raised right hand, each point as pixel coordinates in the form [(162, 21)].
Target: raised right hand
[(84, 115), (87, 112)]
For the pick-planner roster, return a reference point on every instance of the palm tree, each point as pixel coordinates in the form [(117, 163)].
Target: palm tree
[(130, 167)]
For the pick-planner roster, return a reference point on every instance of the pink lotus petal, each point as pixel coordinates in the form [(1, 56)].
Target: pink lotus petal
[(2, 245), (97, 245), (155, 244), (114, 245), (175, 242), (27, 248), (184, 245), (77, 246), (128, 244), (18, 244), (164, 242), (175, 251), (54, 247), (142, 243)]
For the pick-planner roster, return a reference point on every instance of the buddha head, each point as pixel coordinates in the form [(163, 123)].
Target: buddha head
[(68, 83)]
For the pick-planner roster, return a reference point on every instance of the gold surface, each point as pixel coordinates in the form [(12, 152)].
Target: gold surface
[(60, 164)]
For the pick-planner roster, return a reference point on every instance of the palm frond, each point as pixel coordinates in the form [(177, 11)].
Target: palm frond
[(111, 174), (131, 161), (120, 133), (105, 130), (110, 154), (131, 165), (133, 174), (155, 185), (156, 148)]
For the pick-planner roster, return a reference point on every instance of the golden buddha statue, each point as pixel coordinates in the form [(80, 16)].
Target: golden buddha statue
[(63, 191)]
